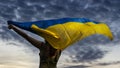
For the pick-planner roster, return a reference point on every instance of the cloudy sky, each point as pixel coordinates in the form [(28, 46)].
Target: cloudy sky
[(93, 52)]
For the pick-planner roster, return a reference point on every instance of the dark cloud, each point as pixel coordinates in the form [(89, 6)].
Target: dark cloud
[(81, 66), (109, 63), (88, 54)]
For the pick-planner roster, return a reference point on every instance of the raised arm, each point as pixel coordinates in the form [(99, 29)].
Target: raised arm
[(33, 41)]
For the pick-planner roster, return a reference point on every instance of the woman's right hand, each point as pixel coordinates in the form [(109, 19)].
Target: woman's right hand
[(10, 26)]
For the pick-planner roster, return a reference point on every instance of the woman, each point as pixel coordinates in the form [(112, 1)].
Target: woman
[(48, 55)]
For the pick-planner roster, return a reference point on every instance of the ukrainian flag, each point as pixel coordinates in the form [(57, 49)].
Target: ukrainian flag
[(61, 33)]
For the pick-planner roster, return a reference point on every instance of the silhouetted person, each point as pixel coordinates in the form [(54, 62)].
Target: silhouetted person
[(48, 55)]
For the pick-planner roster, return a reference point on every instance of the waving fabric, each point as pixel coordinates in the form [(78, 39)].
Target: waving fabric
[(61, 33)]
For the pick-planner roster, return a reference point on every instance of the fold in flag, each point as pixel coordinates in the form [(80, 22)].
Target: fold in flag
[(61, 33)]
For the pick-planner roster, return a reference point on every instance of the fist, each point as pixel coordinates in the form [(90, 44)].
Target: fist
[(10, 26)]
